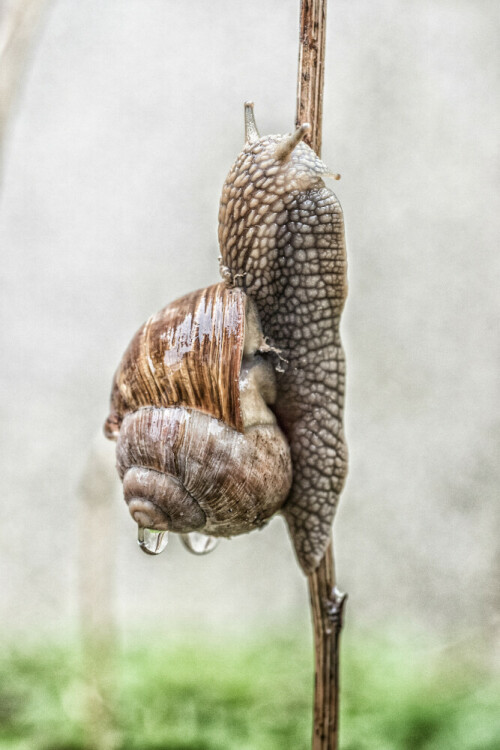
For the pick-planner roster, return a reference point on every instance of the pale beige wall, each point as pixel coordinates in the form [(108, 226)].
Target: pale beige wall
[(129, 120)]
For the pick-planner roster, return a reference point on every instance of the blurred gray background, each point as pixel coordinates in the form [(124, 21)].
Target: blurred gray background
[(127, 120)]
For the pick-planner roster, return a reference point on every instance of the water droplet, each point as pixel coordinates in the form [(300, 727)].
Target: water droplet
[(151, 541), (199, 544)]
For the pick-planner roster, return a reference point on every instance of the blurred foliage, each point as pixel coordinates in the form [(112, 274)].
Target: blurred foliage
[(211, 695)]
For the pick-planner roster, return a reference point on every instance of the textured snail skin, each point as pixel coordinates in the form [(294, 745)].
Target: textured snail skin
[(281, 236)]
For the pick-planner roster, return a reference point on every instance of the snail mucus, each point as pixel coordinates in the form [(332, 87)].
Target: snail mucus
[(227, 405)]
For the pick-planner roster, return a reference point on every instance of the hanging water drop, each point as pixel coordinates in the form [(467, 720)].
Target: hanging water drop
[(199, 544), (151, 541)]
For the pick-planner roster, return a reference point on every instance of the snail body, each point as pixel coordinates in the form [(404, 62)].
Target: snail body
[(198, 447), (281, 236), (222, 392)]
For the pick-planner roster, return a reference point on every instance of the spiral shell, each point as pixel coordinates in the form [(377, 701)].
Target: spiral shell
[(197, 444)]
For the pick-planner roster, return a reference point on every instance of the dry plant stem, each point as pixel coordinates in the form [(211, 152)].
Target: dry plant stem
[(327, 605), (311, 73), (327, 602)]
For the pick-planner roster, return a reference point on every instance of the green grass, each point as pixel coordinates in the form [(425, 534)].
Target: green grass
[(206, 695)]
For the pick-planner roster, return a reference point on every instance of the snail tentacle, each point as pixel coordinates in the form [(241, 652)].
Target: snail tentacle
[(251, 132), (287, 145)]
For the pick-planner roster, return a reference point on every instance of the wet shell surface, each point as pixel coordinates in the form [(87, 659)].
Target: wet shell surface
[(198, 447), (187, 354)]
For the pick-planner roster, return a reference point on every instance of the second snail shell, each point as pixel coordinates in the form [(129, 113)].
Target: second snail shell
[(198, 447)]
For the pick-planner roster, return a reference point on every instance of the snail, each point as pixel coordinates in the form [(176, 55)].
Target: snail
[(222, 392)]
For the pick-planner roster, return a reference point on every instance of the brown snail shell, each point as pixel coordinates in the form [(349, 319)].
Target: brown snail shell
[(197, 444), (187, 354)]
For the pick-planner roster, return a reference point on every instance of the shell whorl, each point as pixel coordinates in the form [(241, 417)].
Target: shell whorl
[(281, 236), (187, 354), (184, 470)]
